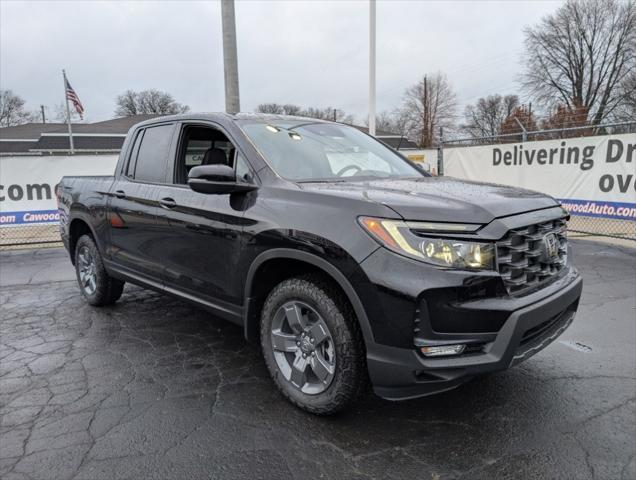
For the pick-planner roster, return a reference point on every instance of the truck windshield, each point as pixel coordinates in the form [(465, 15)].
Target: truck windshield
[(316, 151)]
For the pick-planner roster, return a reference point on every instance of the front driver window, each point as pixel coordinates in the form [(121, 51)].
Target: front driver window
[(206, 146), (243, 172)]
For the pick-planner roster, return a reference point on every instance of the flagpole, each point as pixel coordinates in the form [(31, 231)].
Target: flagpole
[(68, 116)]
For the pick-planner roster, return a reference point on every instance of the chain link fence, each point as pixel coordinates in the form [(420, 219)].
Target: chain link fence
[(551, 134), (589, 226), (21, 236), (603, 227)]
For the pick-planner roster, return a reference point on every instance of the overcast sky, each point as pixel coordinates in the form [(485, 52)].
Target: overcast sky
[(312, 53)]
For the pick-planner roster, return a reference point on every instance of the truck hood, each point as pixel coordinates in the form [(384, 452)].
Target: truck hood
[(441, 199)]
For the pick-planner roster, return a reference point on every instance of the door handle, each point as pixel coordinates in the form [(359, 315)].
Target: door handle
[(167, 203), (120, 194)]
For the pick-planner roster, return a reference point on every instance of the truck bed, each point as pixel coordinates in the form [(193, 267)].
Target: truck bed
[(87, 194)]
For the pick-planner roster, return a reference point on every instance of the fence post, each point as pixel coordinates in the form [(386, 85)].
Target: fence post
[(440, 153), (524, 135)]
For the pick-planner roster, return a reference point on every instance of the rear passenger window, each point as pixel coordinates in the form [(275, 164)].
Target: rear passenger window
[(130, 168), (153, 154)]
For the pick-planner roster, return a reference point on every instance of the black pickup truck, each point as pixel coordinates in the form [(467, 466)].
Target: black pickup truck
[(347, 263)]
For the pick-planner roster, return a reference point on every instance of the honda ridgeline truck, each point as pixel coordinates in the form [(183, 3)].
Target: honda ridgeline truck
[(346, 262)]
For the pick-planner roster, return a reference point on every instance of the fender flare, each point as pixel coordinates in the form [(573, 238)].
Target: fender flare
[(322, 264), (83, 218)]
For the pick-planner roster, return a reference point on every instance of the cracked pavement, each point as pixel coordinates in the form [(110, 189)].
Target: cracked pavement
[(155, 388)]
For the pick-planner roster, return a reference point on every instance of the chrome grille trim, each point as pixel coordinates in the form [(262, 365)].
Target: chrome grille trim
[(520, 259)]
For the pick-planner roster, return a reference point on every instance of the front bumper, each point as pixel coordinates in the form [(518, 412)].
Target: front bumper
[(529, 324)]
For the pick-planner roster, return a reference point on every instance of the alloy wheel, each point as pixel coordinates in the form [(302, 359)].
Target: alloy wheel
[(87, 270), (303, 347)]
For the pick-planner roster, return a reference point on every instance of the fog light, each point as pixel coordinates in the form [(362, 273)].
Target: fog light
[(442, 350)]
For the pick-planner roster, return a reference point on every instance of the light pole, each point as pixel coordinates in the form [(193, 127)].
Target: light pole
[(372, 67), (230, 60)]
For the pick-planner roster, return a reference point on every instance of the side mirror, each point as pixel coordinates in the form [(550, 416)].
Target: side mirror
[(216, 179)]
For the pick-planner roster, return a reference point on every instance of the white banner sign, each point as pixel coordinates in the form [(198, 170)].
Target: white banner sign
[(592, 176), (27, 184)]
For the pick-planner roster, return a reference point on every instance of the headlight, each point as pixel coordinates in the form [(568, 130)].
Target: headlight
[(399, 237)]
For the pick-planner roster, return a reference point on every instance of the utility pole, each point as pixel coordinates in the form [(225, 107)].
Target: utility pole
[(43, 116), (372, 68), (230, 59), (440, 153)]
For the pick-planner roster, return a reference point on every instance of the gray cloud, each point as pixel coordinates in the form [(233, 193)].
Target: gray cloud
[(304, 52)]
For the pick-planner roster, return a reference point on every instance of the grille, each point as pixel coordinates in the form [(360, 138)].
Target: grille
[(522, 256)]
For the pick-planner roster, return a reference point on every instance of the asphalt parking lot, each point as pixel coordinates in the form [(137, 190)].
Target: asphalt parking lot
[(155, 388)]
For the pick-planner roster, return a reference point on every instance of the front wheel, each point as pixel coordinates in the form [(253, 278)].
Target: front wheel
[(312, 345), (97, 287)]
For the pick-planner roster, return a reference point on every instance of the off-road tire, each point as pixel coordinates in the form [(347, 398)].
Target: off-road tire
[(351, 379), (107, 289)]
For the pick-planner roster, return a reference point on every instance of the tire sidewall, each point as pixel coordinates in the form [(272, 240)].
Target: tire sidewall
[(319, 300)]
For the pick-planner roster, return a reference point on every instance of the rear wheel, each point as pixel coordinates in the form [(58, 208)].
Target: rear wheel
[(312, 345), (97, 287)]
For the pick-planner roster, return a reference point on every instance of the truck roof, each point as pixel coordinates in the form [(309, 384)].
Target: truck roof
[(221, 117)]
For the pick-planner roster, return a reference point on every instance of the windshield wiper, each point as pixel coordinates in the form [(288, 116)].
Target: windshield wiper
[(327, 180)]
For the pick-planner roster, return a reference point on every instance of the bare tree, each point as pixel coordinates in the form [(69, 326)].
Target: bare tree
[(395, 121), (485, 117), (271, 108), (279, 109), (580, 56), (521, 118), (384, 121), (12, 110), (626, 111), (326, 113), (127, 104), (429, 105), (148, 102), (291, 109), (320, 113), (564, 117), (60, 113), (34, 116)]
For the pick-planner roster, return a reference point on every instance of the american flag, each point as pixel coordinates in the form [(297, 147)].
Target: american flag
[(72, 96)]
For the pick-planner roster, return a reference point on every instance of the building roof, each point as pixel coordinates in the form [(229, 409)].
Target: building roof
[(11, 147), (378, 133), (38, 138), (30, 131), (399, 143), (81, 143), (393, 140), (119, 125)]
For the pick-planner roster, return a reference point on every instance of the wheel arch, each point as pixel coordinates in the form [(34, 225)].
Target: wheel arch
[(78, 227), (295, 261)]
